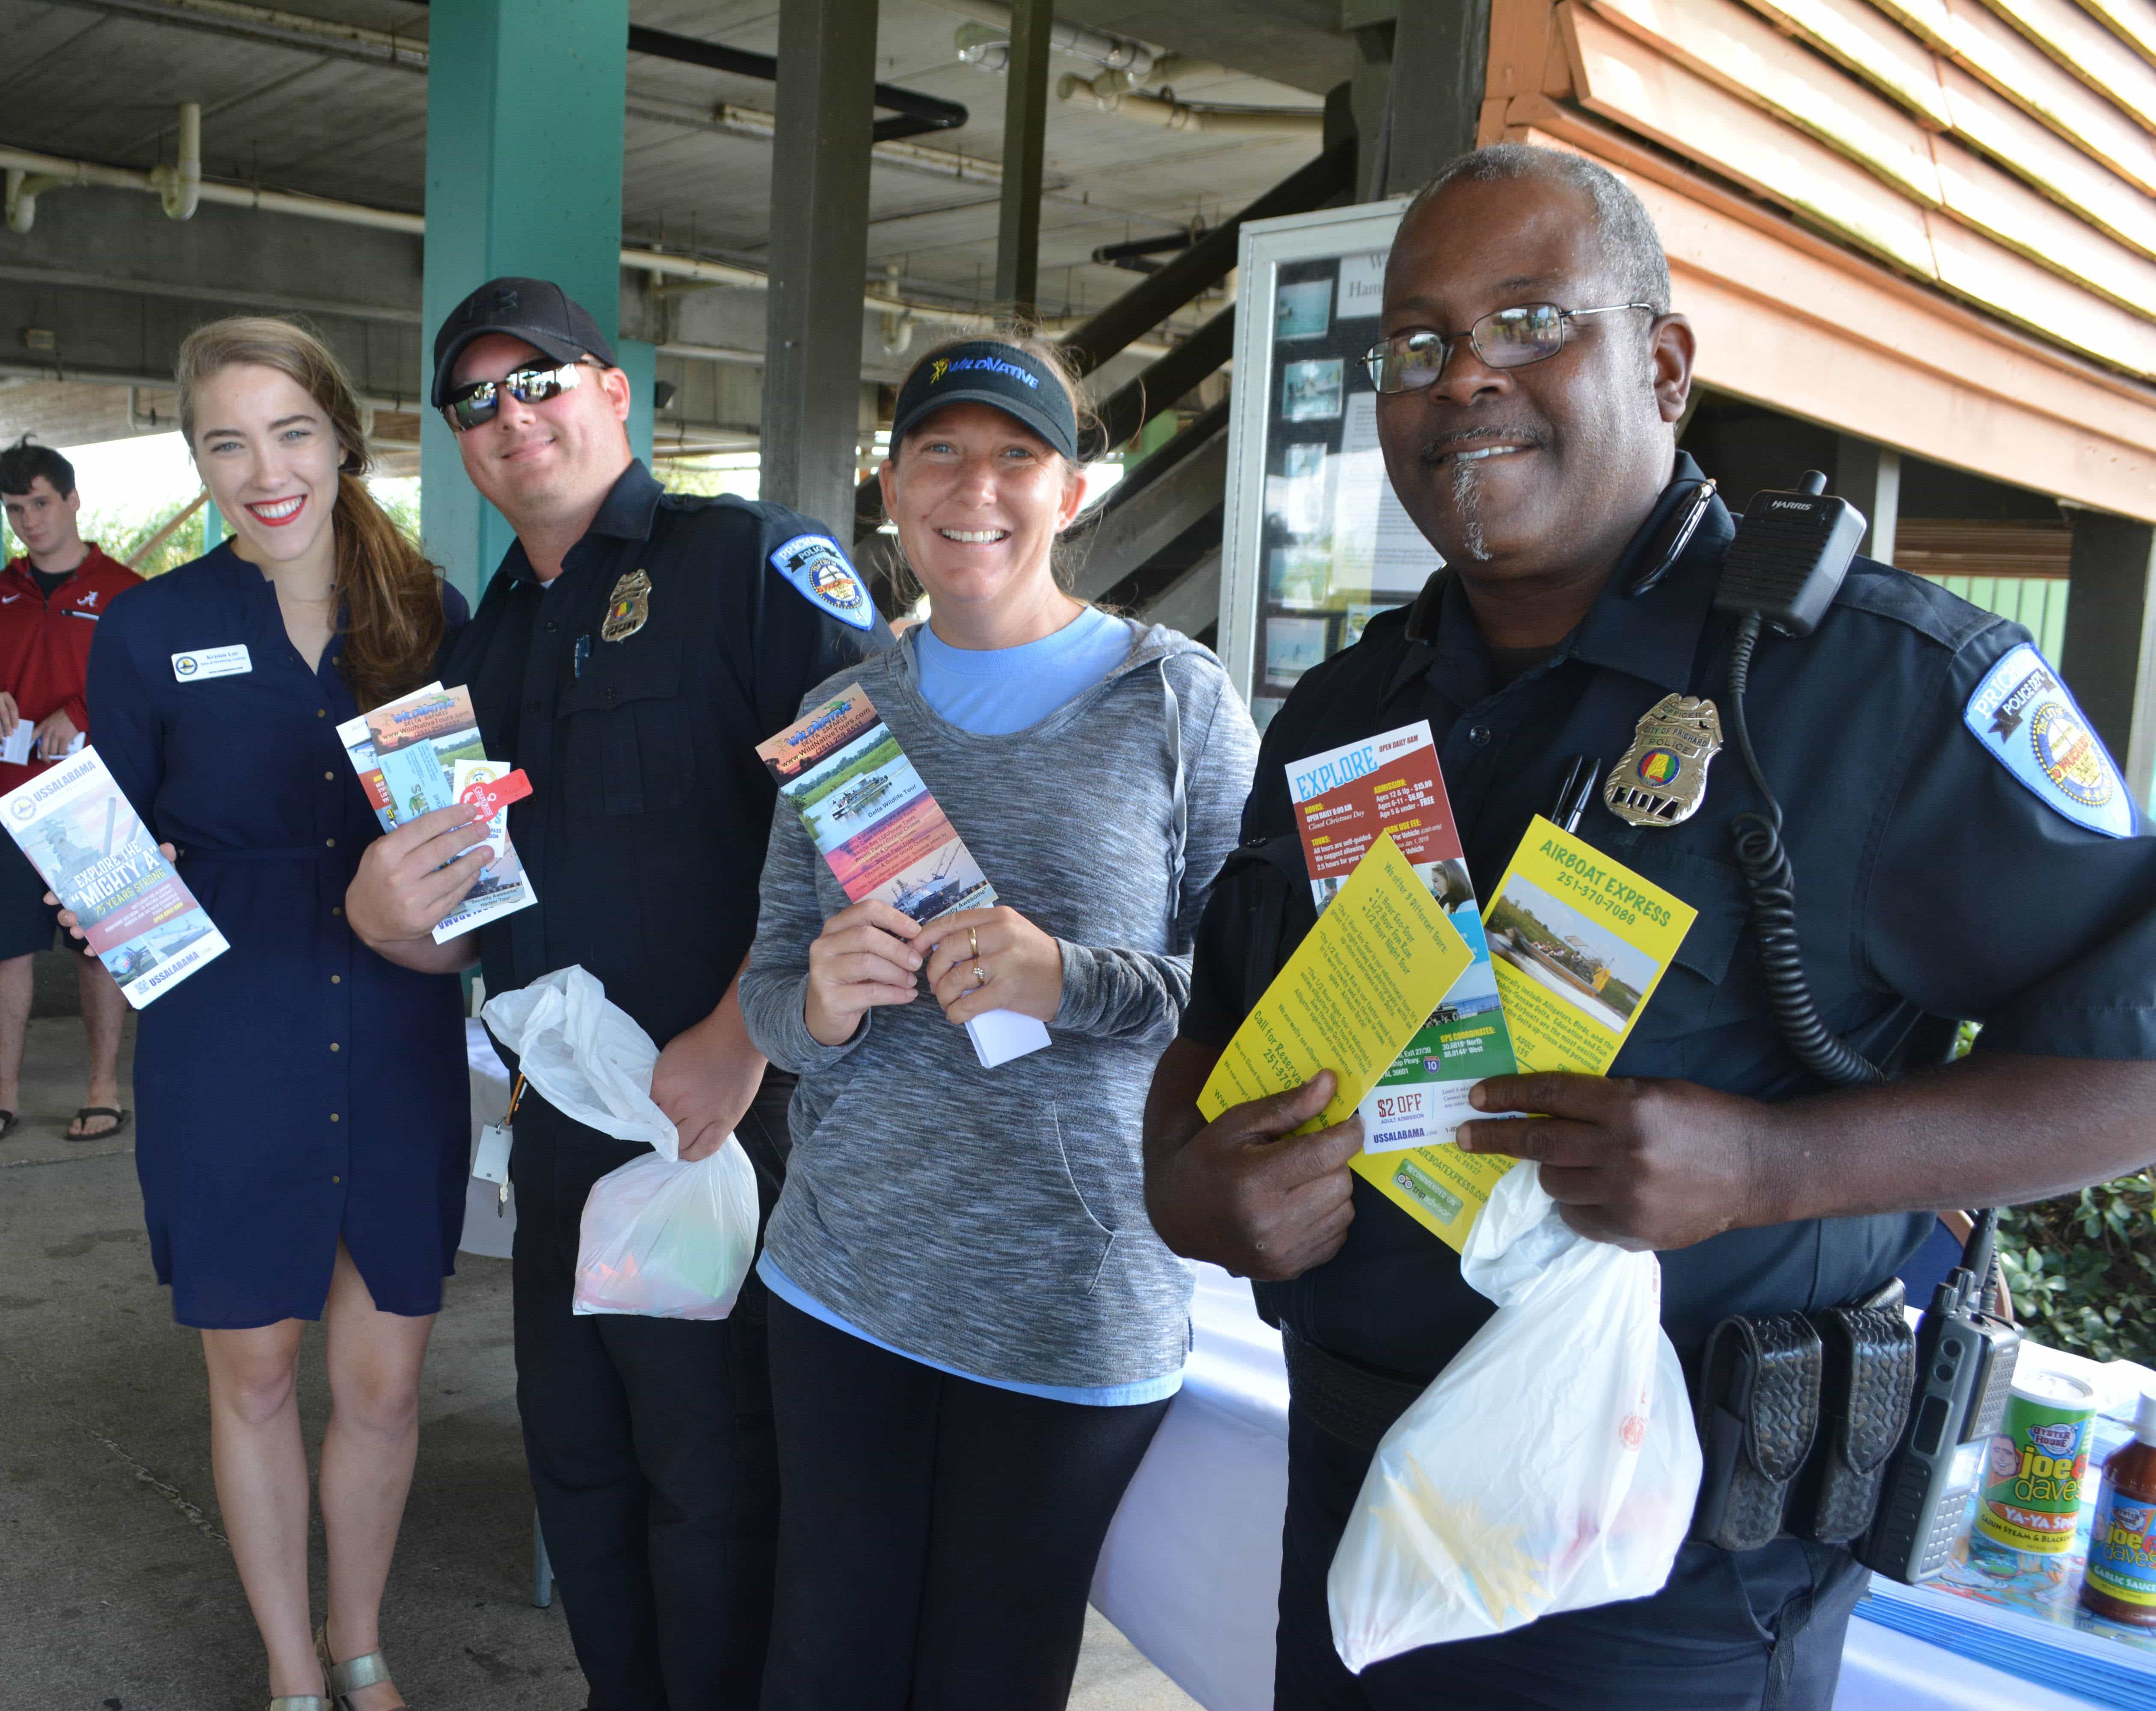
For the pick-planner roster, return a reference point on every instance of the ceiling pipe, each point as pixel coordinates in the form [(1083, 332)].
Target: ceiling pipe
[(179, 186), (28, 173), (1111, 93)]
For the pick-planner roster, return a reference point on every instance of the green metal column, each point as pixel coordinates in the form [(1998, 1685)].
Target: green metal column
[(524, 129)]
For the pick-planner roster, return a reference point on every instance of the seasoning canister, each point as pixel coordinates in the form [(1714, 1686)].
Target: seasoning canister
[(2032, 1485)]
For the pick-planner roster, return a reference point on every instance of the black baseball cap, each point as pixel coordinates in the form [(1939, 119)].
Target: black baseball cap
[(989, 372), (538, 311)]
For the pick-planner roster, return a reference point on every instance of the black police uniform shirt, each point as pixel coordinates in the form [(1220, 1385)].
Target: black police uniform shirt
[(1930, 880), (645, 829)]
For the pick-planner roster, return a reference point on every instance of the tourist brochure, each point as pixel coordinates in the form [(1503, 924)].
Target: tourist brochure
[(1578, 943), (1365, 978), (84, 837), (1344, 797), (871, 818), (407, 753)]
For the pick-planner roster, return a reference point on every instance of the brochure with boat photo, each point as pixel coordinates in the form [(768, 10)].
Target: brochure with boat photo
[(1578, 944), (872, 818), (85, 838), (407, 753)]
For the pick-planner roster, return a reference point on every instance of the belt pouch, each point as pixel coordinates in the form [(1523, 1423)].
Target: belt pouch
[(1865, 1387), (1757, 1414)]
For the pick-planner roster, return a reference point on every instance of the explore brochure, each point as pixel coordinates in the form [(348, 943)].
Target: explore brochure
[(1344, 797), (872, 818), (84, 836), (1356, 989), (408, 753)]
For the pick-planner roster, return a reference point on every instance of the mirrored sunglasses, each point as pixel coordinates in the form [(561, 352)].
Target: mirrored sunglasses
[(1508, 338), (475, 405)]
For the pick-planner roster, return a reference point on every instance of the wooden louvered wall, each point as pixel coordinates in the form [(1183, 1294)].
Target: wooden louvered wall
[(1929, 223)]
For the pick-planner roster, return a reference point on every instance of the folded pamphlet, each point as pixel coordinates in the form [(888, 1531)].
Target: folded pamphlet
[(1391, 783), (872, 818), (408, 754), (85, 838), (1357, 987)]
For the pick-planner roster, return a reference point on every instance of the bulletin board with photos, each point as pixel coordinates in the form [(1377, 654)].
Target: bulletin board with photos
[(1315, 541)]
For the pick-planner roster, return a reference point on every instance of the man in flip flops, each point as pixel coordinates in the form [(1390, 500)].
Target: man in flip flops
[(51, 601)]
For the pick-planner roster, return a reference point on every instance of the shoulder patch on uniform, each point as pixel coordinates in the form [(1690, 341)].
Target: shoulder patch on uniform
[(2023, 713), (815, 566)]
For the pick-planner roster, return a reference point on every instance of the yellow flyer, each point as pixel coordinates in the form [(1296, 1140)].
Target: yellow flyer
[(1578, 943), (1380, 959)]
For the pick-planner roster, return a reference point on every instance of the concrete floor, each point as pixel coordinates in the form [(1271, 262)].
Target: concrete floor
[(116, 1588)]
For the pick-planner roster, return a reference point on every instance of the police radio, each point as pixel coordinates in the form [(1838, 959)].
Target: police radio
[(1784, 570), (1964, 1369)]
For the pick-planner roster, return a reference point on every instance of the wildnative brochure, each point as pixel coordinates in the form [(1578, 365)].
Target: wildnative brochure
[(406, 752), (1369, 974), (1579, 942), (86, 840), (1344, 797), (872, 818)]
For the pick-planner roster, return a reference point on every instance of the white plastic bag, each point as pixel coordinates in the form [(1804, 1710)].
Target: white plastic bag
[(583, 1052), (1553, 1465), (668, 1241), (658, 1238)]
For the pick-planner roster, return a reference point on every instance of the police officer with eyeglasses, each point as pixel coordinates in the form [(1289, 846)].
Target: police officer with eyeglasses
[(1529, 376), (633, 648)]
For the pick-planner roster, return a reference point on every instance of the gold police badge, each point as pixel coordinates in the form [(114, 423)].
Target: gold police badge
[(628, 607), (1662, 777)]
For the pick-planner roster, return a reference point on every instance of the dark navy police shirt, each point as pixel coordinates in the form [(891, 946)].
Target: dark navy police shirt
[(1929, 880), (645, 830)]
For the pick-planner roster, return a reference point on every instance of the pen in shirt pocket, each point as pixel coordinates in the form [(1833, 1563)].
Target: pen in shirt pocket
[(1577, 790)]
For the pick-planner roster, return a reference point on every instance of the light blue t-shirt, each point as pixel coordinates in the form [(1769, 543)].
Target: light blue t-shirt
[(995, 692)]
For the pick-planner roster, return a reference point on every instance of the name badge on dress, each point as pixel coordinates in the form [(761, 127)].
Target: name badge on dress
[(206, 663)]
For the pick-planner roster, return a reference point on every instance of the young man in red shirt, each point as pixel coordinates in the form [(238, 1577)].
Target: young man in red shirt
[(51, 601)]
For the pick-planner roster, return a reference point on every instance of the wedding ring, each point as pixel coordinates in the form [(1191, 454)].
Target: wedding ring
[(974, 934), (980, 975)]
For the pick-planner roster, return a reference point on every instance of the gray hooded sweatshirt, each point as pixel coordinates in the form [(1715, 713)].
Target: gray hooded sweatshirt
[(993, 1220)]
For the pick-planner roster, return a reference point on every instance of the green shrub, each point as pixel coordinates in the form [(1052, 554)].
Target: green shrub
[(2082, 1269)]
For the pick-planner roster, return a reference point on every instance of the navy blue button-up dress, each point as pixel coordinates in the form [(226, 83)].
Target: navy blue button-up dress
[(299, 1088)]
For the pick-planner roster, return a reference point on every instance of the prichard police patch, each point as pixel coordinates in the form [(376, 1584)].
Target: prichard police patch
[(813, 564), (2023, 715)]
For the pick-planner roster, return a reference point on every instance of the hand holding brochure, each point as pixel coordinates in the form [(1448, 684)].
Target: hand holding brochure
[(411, 756), (85, 838), (872, 818)]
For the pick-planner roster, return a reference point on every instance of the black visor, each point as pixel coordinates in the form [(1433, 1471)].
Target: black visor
[(989, 372)]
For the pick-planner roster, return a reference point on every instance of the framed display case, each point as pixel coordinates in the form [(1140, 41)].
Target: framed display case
[(1314, 542)]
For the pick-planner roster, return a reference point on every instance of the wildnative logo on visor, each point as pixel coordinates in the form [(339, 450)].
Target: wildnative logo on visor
[(993, 365)]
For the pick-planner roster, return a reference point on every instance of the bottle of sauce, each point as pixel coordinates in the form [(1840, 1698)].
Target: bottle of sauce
[(2121, 1581)]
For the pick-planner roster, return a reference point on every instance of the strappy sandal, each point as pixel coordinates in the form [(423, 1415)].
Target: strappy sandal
[(348, 1678)]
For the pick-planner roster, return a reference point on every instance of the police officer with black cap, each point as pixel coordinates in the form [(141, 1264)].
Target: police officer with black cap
[(631, 650), (1962, 848)]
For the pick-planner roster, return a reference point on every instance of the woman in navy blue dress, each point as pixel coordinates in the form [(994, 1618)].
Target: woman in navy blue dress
[(303, 1105)]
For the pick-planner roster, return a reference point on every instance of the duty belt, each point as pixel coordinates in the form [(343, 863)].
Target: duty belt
[(1797, 1414)]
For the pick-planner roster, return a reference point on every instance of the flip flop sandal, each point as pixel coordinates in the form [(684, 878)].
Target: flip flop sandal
[(119, 1123)]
